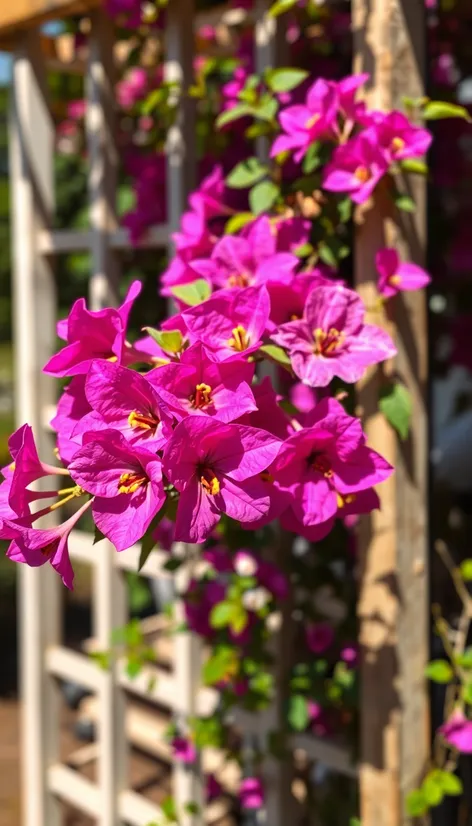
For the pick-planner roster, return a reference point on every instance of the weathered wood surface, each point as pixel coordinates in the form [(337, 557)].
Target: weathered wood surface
[(27, 13), (389, 43)]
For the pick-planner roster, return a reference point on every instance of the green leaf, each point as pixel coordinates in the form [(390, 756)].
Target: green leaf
[(284, 80), (194, 293), (173, 564), (439, 109), (102, 659), (134, 666), (415, 166), (148, 543), (170, 341), (230, 115), (416, 804), (281, 6), (223, 661), (298, 715), (239, 620), (275, 353), (192, 808), (266, 109), (405, 203), (439, 671), (238, 221), (263, 196), (327, 254), (221, 614), (395, 403), (450, 783), (312, 159), (98, 535), (432, 791), (466, 570), (465, 659), (169, 809), (246, 173), (467, 693), (304, 250), (345, 206)]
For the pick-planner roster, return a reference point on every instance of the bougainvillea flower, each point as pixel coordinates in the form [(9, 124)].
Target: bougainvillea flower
[(356, 167), (231, 322), (71, 409), (132, 88), (313, 533), (302, 125), (290, 233), (126, 481), (183, 750), (125, 401), (347, 89), (268, 414), (26, 468), (400, 139), (213, 788), (332, 340), (251, 793), (99, 334), (216, 468), (319, 637), (326, 460), (198, 385), (201, 596), (288, 300), (457, 731), (238, 261), (35, 547), (396, 276)]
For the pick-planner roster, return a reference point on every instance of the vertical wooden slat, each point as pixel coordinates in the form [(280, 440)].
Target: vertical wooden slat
[(389, 42), (32, 187), (110, 597), (181, 179)]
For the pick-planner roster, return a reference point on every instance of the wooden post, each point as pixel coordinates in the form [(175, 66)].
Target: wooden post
[(34, 306), (389, 43), (110, 596)]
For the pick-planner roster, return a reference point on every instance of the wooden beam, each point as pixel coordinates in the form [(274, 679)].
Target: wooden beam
[(389, 43), (24, 14)]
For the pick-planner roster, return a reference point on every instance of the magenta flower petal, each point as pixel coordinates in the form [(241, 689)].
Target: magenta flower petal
[(197, 515)]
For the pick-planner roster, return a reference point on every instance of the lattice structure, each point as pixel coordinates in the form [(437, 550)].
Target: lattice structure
[(44, 660)]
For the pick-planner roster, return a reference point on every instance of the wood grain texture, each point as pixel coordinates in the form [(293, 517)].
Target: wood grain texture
[(389, 43)]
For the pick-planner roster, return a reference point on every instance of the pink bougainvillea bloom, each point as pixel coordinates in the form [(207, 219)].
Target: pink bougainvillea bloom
[(288, 300), (231, 322), (183, 750), (396, 276), (126, 482), (164, 534), (313, 533), (400, 139), (349, 655), (238, 261), (199, 599), (302, 125), (198, 385), (216, 468), (457, 731), (99, 334), (35, 547), (251, 793), (25, 469), (347, 89), (326, 460), (124, 400), (356, 167), (290, 233), (213, 788), (268, 414), (76, 109), (319, 637), (332, 340), (71, 409)]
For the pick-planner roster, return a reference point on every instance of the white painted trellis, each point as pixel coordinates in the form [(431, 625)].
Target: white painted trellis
[(46, 781)]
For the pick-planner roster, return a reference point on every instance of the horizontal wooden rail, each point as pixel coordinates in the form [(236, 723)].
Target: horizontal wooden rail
[(64, 241)]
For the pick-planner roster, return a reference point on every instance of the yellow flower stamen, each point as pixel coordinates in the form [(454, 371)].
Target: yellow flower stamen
[(130, 482), (240, 339), (136, 419), (397, 144), (326, 343), (209, 482), (362, 174), (201, 397)]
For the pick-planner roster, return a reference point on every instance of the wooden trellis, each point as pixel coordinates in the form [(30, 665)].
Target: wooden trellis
[(394, 743)]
